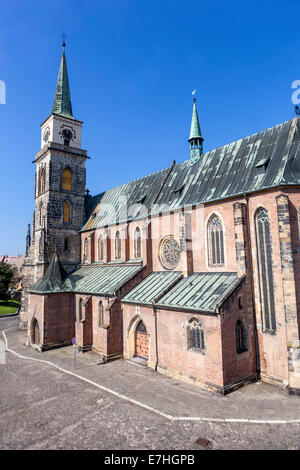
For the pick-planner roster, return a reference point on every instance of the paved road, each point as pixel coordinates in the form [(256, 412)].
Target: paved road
[(42, 407)]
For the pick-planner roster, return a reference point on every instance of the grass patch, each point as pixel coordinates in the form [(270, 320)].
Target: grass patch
[(8, 306)]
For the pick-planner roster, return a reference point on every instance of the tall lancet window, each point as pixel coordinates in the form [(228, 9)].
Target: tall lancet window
[(42, 181), (80, 316), (215, 242), (100, 248), (85, 250), (264, 256), (66, 212), (100, 314), (137, 243), (117, 246)]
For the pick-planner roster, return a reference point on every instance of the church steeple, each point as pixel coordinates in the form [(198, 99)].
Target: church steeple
[(195, 139), (62, 99)]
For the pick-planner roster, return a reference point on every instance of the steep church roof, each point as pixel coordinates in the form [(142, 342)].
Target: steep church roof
[(267, 159), (62, 99)]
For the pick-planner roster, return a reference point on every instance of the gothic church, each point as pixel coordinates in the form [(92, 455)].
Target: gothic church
[(199, 277)]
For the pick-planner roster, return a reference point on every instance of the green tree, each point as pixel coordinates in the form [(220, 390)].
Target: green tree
[(16, 279), (6, 275)]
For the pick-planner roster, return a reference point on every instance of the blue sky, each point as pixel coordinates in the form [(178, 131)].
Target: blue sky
[(132, 67)]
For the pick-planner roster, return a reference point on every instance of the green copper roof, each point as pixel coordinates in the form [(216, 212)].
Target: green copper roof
[(195, 126), (62, 99), (102, 280), (93, 279), (202, 292), (53, 279), (152, 287)]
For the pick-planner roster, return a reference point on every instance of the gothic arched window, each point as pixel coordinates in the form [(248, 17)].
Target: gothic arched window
[(241, 336), (100, 314), (100, 248), (85, 250), (195, 335), (215, 241), (264, 256), (137, 243), (80, 310), (39, 182), (43, 180), (66, 212), (66, 181), (117, 246)]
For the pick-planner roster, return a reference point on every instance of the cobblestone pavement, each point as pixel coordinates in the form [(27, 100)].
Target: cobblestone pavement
[(42, 407)]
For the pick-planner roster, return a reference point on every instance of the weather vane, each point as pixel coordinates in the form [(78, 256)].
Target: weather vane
[(194, 92)]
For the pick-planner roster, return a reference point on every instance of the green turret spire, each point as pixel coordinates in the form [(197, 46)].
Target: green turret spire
[(62, 99), (195, 139)]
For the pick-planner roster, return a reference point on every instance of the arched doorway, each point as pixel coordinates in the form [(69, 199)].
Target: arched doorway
[(35, 332), (141, 341)]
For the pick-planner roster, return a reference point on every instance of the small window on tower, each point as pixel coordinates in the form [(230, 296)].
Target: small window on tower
[(66, 245)]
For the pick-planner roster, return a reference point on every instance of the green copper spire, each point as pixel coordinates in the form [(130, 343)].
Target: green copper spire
[(195, 139), (62, 99)]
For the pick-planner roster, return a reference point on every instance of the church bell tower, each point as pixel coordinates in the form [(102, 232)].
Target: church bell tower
[(60, 184)]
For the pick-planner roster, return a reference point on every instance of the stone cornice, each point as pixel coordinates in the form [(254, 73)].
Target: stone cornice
[(62, 149)]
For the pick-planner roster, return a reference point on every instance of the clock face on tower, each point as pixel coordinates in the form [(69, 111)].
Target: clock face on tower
[(46, 135), (67, 134)]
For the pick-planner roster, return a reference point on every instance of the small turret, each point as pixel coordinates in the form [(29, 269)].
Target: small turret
[(28, 240), (195, 139)]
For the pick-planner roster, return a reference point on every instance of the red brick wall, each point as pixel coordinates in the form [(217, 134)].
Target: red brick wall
[(272, 348), (107, 339), (237, 366), (54, 312), (83, 328), (36, 310), (173, 354)]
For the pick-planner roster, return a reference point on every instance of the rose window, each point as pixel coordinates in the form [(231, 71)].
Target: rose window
[(169, 252)]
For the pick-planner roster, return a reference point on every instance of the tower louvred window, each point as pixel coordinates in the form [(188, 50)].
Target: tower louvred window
[(67, 179)]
